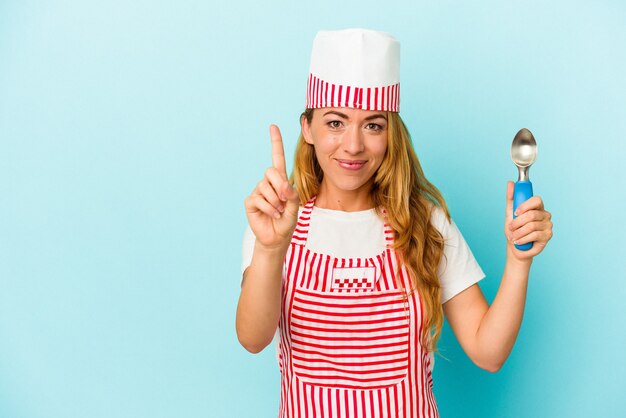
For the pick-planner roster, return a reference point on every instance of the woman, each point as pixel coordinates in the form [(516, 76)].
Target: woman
[(358, 263)]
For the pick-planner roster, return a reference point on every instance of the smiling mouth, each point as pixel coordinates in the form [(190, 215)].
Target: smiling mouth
[(351, 164)]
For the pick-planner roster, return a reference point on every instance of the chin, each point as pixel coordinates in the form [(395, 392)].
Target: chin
[(351, 186)]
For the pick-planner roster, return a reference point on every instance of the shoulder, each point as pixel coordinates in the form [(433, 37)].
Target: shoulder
[(438, 216), (440, 220)]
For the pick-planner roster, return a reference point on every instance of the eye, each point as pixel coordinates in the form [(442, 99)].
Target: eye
[(334, 124), (374, 127)]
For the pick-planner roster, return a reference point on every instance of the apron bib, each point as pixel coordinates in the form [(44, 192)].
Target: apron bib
[(349, 336)]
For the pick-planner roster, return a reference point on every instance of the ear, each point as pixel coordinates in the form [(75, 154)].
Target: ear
[(306, 130)]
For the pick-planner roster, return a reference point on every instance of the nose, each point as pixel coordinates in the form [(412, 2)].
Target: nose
[(353, 141)]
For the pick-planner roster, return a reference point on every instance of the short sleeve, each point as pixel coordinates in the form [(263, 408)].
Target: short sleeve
[(247, 248), (458, 268)]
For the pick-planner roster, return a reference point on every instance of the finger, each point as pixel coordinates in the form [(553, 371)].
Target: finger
[(528, 228), (293, 199), (278, 152), (509, 201), (538, 237), (534, 202), (278, 182), (269, 194), (526, 217), (290, 192), (256, 203)]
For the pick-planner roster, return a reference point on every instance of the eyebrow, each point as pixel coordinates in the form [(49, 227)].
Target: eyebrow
[(343, 115)]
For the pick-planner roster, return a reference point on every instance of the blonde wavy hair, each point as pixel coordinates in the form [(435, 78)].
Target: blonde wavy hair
[(408, 198)]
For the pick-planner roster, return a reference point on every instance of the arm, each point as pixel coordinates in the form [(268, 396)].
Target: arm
[(488, 333), (272, 211), (258, 310)]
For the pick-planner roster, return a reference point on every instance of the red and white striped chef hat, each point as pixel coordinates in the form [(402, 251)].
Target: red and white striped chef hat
[(355, 68)]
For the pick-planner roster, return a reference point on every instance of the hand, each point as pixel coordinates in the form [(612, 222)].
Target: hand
[(532, 224), (272, 208)]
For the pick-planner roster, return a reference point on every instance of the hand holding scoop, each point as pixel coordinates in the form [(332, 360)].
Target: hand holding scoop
[(523, 154)]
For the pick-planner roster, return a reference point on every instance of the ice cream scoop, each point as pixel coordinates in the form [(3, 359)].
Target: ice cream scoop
[(523, 154)]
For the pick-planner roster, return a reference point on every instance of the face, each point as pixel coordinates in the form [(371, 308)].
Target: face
[(350, 145)]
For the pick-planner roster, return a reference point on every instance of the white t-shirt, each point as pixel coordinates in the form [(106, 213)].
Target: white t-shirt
[(361, 234)]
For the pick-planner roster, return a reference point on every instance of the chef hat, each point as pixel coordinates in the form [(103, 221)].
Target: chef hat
[(355, 68)]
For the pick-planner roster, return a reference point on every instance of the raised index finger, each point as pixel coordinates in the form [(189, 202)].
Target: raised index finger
[(278, 152)]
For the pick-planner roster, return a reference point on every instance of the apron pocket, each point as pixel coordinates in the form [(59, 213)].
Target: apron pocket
[(352, 341)]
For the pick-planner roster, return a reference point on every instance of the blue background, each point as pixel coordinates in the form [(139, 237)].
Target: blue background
[(130, 133)]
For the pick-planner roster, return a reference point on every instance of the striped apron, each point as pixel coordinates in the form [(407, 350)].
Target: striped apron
[(349, 336)]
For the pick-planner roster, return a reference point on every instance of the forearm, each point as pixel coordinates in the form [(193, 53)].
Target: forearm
[(488, 333), (258, 310), (501, 323)]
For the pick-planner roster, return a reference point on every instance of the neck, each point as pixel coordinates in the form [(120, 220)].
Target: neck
[(344, 200)]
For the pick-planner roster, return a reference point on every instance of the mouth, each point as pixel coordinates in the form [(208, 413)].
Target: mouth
[(351, 164)]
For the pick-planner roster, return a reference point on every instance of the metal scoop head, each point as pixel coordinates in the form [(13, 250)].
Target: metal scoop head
[(523, 152)]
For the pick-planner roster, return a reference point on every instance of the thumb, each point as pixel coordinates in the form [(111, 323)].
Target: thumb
[(509, 201), (293, 198)]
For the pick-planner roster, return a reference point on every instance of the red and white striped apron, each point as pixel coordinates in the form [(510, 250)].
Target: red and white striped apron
[(349, 336)]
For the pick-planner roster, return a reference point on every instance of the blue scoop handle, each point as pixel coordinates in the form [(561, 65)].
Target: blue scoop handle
[(522, 192)]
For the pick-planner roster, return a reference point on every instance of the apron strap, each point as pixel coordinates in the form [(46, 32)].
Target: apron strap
[(301, 233), (389, 234)]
